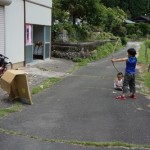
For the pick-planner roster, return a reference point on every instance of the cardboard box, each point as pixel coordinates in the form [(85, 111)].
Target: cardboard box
[(15, 82)]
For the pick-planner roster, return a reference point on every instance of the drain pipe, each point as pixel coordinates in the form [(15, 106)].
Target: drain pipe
[(24, 1)]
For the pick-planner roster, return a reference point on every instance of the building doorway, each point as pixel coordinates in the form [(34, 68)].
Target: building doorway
[(38, 42)]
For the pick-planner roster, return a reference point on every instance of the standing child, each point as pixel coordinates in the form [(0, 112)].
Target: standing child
[(129, 77), (118, 83)]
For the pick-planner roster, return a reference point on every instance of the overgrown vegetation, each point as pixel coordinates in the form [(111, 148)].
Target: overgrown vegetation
[(137, 30), (133, 8), (144, 63), (98, 53), (83, 19)]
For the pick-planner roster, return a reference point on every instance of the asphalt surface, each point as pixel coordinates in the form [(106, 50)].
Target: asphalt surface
[(37, 72), (81, 107)]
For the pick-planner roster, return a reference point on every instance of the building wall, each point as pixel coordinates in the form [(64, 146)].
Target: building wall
[(14, 31), (39, 12), (36, 14), (14, 24), (2, 30), (44, 2)]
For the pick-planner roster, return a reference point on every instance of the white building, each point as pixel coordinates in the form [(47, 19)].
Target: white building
[(25, 30)]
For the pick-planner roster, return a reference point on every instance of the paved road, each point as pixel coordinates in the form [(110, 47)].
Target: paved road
[(82, 107)]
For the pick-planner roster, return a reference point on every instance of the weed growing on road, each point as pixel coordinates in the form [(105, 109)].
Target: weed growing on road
[(14, 108), (73, 69), (46, 84), (115, 144)]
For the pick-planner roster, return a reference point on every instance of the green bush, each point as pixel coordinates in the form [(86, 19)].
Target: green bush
[(55, 30), (82, 34), (124, 40), (139, 33), (67, 26), (119, 31), (104, 36), (143, 27), (77, 59), (98, 53), (78, 33), (105, 50), (147, 43), (133, 36), (130, 29)]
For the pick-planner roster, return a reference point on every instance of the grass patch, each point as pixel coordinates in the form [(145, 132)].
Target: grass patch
[(83, 62), (46, 84), (73, 69), (147, 79), (14, 108), (99, 53), (144, 75), (115, 144), (142, 55)]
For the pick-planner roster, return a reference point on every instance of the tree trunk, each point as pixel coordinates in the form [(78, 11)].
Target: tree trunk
[(73, 19)]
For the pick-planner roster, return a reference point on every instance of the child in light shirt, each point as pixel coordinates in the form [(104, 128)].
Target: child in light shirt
[(118, 83)]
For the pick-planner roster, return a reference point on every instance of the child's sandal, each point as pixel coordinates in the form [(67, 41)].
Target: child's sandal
[(121, 97), (132, 96)]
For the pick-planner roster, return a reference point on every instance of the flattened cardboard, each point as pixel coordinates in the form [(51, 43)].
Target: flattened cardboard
[(15, 82)]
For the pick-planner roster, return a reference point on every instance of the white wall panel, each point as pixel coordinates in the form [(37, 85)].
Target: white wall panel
[(14, 24), (14, 34), (43, 2), (2, 30), (36, 14)]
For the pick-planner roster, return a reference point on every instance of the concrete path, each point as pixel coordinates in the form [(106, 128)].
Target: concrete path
[(81, 107)]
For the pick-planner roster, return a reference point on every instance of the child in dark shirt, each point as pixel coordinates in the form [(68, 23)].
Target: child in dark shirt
[(129, 77)]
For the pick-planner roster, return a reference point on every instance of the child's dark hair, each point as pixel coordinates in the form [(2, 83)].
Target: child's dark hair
[(119, 73), (131, 51)]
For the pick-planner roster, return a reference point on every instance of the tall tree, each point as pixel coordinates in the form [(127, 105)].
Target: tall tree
[(89, 10), (94, 11), (74, 7), (133, 8), (111, 3), (58, 13)]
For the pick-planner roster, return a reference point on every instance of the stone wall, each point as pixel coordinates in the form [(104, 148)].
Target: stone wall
[(75, 50)]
